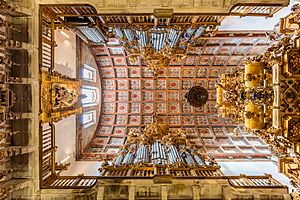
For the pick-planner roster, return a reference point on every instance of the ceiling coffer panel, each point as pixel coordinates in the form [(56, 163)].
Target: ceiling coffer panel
[(131, 95)]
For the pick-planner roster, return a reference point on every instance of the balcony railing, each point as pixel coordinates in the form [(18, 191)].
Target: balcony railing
[(64, 182), (255, 182), (267, 11), (48, 176), (208, 171)]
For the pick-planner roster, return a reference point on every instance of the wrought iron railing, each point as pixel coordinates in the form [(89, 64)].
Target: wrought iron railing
[(73, 182), (255, 182), (126, 171), (48, 176), (47, 47), (245, 10), (69, 10), (47, 154)]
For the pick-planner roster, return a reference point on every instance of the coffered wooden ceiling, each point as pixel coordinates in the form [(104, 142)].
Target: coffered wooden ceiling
[(130, 96)]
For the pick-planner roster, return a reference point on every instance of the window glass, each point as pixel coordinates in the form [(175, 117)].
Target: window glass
[(89, 118), (89, 73), (90, 96)]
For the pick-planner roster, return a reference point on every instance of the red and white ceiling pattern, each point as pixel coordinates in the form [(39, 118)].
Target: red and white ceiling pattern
[(130, 95)]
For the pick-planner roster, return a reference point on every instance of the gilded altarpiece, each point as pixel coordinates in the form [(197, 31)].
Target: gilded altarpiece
[(268, 97), (60, 97)]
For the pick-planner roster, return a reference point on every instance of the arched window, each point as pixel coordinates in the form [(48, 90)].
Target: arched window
[(89, 73), (90, 96), (88, 118)]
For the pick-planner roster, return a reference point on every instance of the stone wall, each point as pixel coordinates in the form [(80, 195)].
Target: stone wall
[(178, 6)]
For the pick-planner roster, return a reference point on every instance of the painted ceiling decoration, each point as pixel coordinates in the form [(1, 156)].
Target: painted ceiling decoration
[(130, 96)]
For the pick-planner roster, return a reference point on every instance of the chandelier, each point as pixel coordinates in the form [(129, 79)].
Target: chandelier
[(197, 96), (157, 46)]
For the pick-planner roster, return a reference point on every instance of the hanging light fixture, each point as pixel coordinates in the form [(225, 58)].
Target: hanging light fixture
[(197, 96)]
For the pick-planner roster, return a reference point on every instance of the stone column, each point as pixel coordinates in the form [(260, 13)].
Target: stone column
[(196, 192), (37, 194), (164, 192), (227, 193), (286, 197), (131, 192), (100, 192)]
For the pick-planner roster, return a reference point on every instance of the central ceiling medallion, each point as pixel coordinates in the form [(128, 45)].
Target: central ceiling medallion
[(197, 96), (159, 42)]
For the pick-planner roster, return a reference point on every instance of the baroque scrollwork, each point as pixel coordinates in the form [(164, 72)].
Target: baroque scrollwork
[(156, 150), (268, 96), (60, 96)]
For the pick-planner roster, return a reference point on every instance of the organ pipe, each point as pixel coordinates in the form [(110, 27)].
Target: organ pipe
[(119, 159), (156, 151), (129, 34), (119, 32), (198, 160), (157, 46), (158, 155), (126, 159), (199, 31), (187, 158)]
